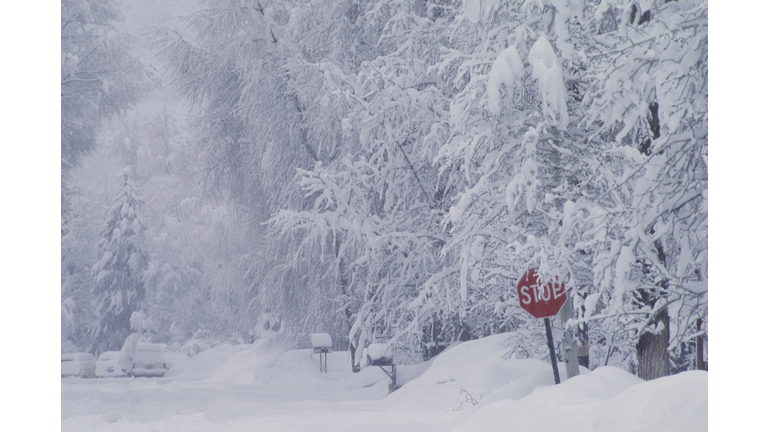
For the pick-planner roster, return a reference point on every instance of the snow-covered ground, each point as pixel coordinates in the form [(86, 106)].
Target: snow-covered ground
[(268, 386)]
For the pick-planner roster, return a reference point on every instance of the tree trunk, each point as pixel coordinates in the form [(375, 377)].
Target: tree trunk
[(344, 282), (569, 342), (653, 349), (699, 347), (582, 338), (652, 352), (355, 366), (582, 345)]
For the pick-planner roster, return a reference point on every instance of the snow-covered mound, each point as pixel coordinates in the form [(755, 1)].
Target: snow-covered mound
[(252, 364), (474, 377), (475, 370), (608, 399), (273, 365), (469, 387), (205, 364)]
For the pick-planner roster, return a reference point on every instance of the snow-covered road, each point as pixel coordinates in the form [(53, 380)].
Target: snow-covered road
[(124, 404)]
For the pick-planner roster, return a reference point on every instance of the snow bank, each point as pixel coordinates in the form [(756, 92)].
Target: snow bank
[(274, 366), (253, 364), (175, 358), (297, 372), (476, 370), (468, 387), (205, 364), (608, 399)]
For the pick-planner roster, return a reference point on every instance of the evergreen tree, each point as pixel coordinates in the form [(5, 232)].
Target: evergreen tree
[(118, 290)]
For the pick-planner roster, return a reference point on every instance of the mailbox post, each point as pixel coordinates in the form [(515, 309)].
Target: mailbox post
[(382, 355), (322, 344)]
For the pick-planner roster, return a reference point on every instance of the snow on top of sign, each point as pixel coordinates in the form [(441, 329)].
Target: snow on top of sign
[(321, 340)]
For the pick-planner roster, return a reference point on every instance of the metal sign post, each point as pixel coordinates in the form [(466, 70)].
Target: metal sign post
[(551, 344)]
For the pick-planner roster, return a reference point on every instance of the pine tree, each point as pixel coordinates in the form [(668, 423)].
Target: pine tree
[(119, 290)]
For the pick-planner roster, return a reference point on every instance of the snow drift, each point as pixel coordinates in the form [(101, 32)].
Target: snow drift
[(468, 387)]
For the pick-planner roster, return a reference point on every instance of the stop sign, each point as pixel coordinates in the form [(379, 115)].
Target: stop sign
[(540, 300)]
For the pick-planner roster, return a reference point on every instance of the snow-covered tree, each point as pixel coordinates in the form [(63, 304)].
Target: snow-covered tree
[(245, 65), (414, 158), (648, 95), (194, 243), (509, 115), (118, 290), (233, 65), (99, 77), (376, 207), (233, 69), (552, 148)]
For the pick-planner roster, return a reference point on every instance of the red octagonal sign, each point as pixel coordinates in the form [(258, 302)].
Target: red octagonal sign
[(540, 300)]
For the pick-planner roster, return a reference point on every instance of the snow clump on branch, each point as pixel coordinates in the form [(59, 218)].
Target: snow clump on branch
[(547, 71), (507, 69)]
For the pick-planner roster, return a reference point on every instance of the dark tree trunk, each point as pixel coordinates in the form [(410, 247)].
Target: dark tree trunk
[(431, 334), (582, 338), (699, 347), (652, 352), (355, 366), (652, 349), (582, 345), (344, 282)]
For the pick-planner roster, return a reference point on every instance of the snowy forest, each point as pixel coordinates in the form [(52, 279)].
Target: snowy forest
[(386, 171)]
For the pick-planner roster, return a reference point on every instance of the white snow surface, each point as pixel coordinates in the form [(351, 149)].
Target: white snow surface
[(268, 386)]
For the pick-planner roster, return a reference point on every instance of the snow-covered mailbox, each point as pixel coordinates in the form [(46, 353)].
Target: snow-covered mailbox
[(382, 355), (322, 344)]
